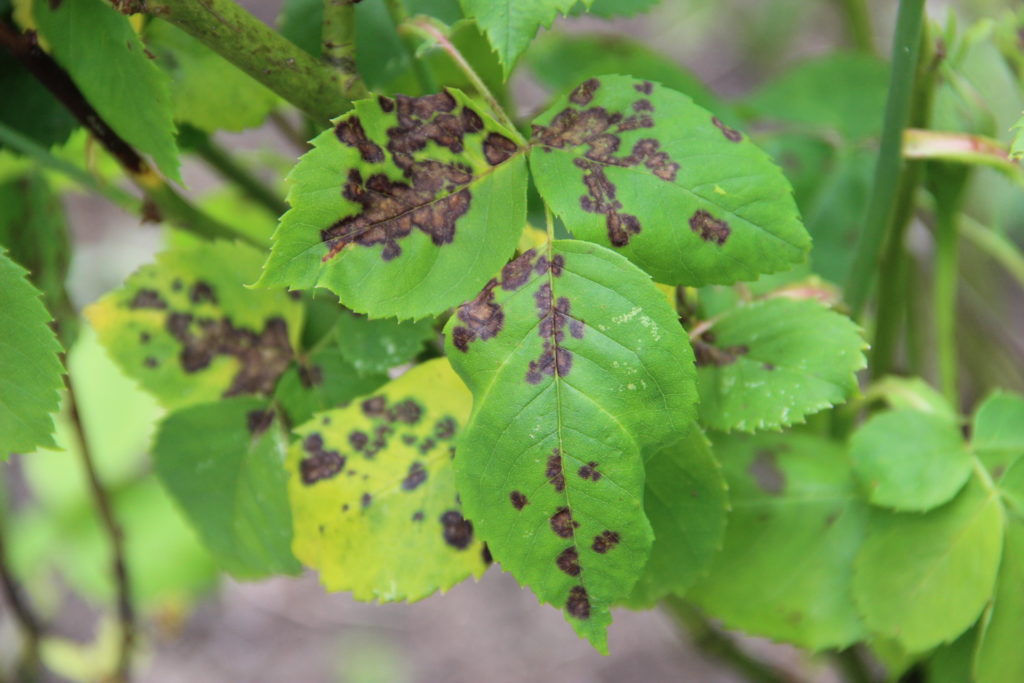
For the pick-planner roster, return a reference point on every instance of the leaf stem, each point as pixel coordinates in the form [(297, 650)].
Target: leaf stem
[(399, 16), (310, 84), (549, 220), (213, 154), (858, 24), (905, 51), (29, 624), (339, 42), (948, 189), (426, 28), (119, 568)]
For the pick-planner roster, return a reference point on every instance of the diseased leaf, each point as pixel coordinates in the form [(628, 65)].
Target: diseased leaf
[(127, 90), (723, 211), (189, 331), (322, 381), (207, 91), (999, 657), (30, 368), (222, 463), (376, 346), (404, 208), (576, 363), (797, 522), (510, 25), (773, 362), (909, 460), (923, 579), (373, 493), (685, 499)]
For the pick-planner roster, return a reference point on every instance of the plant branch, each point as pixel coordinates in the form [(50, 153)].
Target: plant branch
[(419, 68), (947, 183), (858, 24), (878, 220), (119, 568), (28, 623), (339, 41), (310, 84), (161, 196)]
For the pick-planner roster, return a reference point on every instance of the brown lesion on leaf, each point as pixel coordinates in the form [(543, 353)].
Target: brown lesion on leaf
[(578, 603), (151, 362), (519, 500), (584, 92), (350, 132), (457, 531), (416, 476), (498, 149), (562, 523), (202, 292), (482, 319), (731, 134), (555, 316), (589, 471), (517, 272), (554, 473), (764, 470), (320, 463), (444, 429), (646, 87), (709, 228), (366, 499), (148, 298), (386, 104), (257, 421), (310, 375), (358, 439), (555, 266), (407, 412), (263, 356), (569, 561), (375, 406), (605, 542)]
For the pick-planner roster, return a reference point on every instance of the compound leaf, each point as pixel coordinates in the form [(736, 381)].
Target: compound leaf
[(376, 346), (510, 25), (639, 167), (222, 463), (373, 491), (30, 367), (189, 331), (404, 208), (114, 74), (576, 362), (773, 362), (908, 460), (797, 521), (923, 579)]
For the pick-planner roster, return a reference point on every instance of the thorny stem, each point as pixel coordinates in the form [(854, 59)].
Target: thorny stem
[(29, 624), (427, 29), (119, 568), (858, 24), (161, 196), (877, 226), (310, 84), (339, 41), (399, 16)]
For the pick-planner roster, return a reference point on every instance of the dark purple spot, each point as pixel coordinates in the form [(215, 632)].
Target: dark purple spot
[(578, 604), (458, 532), (416, 476), (709, 228), (605, 542), (569, 561), (518, 500)]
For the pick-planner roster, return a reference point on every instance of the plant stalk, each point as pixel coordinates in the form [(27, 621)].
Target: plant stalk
[(339, 41), (906, 49), (948, 190), (399, 15), (858, 24)]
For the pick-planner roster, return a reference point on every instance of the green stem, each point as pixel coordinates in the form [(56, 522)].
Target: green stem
[(948, 189), (999, 248), (905, 51), (428, 30), (718, 645), (213, 154), (399, 16), (310, 84), (339, 41), (858, 24)]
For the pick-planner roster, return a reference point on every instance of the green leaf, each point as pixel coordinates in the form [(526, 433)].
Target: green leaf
[(404, 208), (807, 95), (1017, 147), (797, 522), (208, 92), (510, 25), (125, 87), (637, 166), (997, 435), (222, 463), (373, 492), (909, 460), (324, 380), (999, 657), (923, 579), (620, 8), (912, 393), (576, 363), (685, 499), (775, 361), (29, 108), (562, 61), (376, 346), (30, 367), (189, 330)]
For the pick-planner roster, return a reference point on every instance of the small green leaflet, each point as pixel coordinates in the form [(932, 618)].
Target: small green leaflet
[(924, 579), (576, 362), (324, 379), (376, 346), (908, 460), (404, 208), (797, 521), (775, 361), (117, 78), (686, 501), (510, 25), (30, 367), (222, 463), (189, 331), (208, 92), (631, 164), (373, 492)]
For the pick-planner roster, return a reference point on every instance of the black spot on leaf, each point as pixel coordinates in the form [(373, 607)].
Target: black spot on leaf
[(516, 272), (350, 132), (605, 542), (578, 604), (646, 87), (310, 376), (375, 406), (416, 476), (730, 134), (482, 319), (554, 316), (358, 439), (562, 522), (498, 148), (589, 471), (366, 499), (407, 411), (387, 105), (458, 532), (202, 292), (569, 561), (445, 428), (147, 298), (151, 362), (417, 516), (257, 421), (709, 228), (320, 463), (554, 472), (584, 92), (518, 500)]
